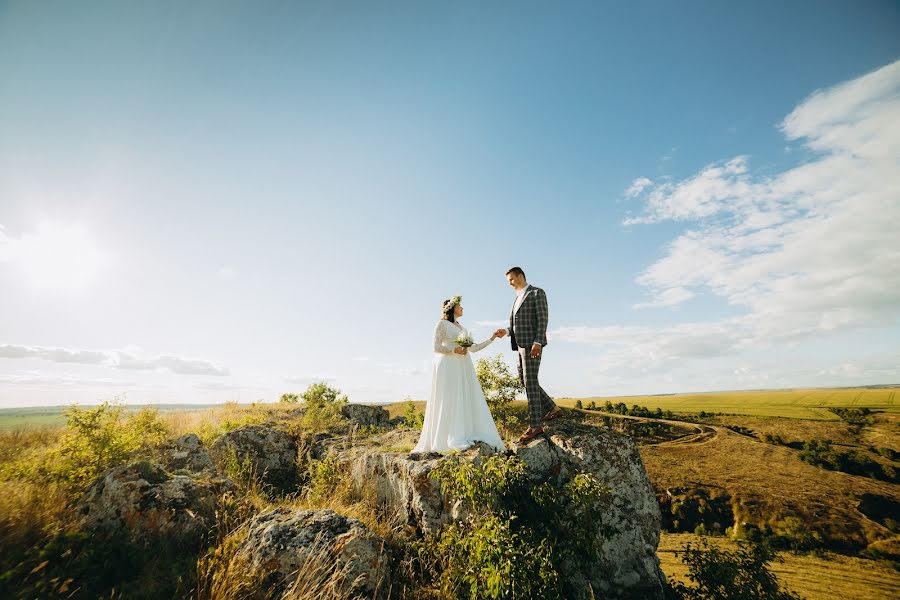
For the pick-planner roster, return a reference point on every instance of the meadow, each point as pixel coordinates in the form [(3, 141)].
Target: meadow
[(792, 403), (727, 467)]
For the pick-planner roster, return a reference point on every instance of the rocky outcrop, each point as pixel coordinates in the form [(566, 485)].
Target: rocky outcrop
[(271, 452), (187, 453), (400, 480), (315, 545), (628, 566), (365, 415), (141, 501)]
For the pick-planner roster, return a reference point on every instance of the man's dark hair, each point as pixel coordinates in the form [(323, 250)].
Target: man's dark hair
[(516, 271)]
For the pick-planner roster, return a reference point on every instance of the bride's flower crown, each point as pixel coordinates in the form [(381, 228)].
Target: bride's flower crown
[(449, 304)]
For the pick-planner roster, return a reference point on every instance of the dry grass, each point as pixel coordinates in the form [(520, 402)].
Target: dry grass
[(884, 433), (793, 430), (768, 482), (815, 577)]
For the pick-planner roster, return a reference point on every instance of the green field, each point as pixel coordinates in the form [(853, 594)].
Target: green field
[(53, 416), (794, 403)]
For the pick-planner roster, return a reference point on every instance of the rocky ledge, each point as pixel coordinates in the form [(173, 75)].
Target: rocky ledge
[(141, 501), (284, 545), (628, 567)]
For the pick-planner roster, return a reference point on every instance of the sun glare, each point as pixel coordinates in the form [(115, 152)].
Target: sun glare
[(61, 257)]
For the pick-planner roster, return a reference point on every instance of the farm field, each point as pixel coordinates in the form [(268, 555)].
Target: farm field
[(794, 403), (53, 416), (814, 577)]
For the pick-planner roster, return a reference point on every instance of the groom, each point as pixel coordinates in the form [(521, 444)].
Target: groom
[(528, 334)]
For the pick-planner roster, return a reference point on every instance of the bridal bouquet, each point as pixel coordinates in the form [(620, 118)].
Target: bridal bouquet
[(464, 340)]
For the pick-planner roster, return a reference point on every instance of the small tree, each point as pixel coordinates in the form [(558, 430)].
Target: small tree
[(413, 418), (290, 398), (578, 404), (323, 407), (500, 386), (725, 575), (321, 394)]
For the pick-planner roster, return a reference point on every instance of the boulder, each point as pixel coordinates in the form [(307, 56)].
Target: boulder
[(271, 452), (365, 415), (628, 566), (321, 543), (142, 501), (187, 453), (400, 480)]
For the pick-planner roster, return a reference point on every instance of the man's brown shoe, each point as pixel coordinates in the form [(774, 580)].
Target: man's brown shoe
[(529, 435), (553, 414)]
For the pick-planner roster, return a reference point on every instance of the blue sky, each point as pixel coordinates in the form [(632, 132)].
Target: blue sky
[(232, 200)]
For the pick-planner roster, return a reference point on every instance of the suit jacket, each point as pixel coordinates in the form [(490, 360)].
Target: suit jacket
[(529, 324)]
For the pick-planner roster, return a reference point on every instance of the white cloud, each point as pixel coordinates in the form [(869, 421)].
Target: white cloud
[(668, 297), (802, 254), (812, 248), (33, 378), (702, 195), (116, 359), (222, 386), (637, 186), (307, 379), (227, 273)]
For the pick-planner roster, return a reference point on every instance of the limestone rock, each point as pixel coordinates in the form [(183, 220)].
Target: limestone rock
[(628, 567), (142, 500), (272, 452), (400, 480), (187, 453), (280, 543), (365, 415)]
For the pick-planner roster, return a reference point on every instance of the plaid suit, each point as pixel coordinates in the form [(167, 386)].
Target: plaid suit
[(527, 326)]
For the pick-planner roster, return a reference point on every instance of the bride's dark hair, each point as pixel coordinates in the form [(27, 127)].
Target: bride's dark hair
[(448, 312)]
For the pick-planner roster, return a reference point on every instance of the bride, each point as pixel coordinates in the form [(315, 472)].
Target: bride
[(456, 414)]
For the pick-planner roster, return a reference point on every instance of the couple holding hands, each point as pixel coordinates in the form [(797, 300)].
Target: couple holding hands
[(457, 414)]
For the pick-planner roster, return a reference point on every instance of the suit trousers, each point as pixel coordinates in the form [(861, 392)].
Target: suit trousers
[(539, 402)]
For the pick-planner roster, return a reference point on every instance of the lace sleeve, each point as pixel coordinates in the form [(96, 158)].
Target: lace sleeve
[(481, 346), (439, 345)]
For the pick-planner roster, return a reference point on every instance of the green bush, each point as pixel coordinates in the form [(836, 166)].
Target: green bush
[(412, 417), (854, 416), (499, 384), (323, 407), (489, 559), (820, 453), (94, 440), (728, 575), (322, 479), (519, 533)]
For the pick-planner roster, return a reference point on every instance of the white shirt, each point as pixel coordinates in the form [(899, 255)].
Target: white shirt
[(520, 295)]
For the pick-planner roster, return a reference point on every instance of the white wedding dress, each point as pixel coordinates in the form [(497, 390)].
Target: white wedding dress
[(456, 415)]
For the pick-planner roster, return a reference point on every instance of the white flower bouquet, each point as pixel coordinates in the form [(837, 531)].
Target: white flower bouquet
[(464, 340)]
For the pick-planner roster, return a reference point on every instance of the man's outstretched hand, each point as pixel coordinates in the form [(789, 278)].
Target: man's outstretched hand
[(535, 350), (500, 333)]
